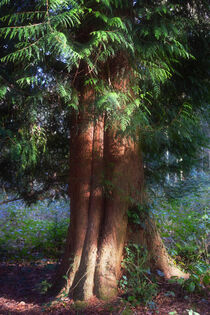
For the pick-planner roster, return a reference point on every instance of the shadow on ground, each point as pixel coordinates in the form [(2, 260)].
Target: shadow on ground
[(20, 286), (20, 293)]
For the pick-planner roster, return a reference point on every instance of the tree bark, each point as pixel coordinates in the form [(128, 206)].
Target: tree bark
[(84, 279), (106, 179), (124, 173), (81, 151), (99, 224)]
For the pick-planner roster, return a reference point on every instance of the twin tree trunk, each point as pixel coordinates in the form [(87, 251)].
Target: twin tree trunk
[(106, 178)]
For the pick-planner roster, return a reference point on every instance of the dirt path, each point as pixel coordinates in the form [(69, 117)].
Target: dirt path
[(20, 294)]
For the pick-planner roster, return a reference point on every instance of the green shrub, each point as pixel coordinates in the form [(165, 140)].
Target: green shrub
[(136, 282)]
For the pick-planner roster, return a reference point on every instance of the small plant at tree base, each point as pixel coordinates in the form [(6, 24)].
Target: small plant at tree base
[(44, 286), (196, 282), (136, 281)]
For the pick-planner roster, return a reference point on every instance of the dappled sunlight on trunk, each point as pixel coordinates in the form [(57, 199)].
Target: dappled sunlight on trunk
[(106, 179)]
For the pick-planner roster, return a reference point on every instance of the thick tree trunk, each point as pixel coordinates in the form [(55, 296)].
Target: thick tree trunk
[(81, 153), (106, 178)]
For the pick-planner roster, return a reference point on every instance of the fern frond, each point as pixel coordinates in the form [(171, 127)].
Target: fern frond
[(25, 53), (24, 32), (67, 19), (4, 2), (27, 81), (56, 5), (21, 17)]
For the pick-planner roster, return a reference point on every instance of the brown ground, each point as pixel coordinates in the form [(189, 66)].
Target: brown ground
[(20, 294)]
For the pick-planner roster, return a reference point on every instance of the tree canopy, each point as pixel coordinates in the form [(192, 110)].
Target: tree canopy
[(52, 50)]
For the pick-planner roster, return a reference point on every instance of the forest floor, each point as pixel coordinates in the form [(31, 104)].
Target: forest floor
[(20, 293)]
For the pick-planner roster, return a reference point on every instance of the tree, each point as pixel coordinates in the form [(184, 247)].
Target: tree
[(96, 75)]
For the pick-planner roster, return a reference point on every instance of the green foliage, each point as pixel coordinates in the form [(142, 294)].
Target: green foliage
[(138, 214), (44, 286), (184, 213), (34, 232), (27, 149), (51, 51), (181, 210), (196, 282), (136, 282), (183, 220), (191, 312)]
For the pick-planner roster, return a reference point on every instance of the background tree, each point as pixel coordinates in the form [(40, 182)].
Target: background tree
[(119, 81)]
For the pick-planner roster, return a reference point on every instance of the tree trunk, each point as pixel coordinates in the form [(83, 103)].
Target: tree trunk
[(106, 179), (125, 176), (81, 154)]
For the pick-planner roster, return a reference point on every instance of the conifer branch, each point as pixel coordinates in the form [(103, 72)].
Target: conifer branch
[(22, 26), (13, 84)]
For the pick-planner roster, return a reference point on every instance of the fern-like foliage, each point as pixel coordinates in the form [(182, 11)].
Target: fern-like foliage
[(145, 62)]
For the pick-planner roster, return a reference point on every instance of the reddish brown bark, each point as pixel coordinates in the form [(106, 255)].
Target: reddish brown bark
[(99, 225), (158, 257), (124, 172), (106, 178), (84, 280), (81, 150)]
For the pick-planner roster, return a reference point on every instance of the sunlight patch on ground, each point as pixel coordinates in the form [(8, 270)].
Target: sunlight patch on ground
[(8, 306)]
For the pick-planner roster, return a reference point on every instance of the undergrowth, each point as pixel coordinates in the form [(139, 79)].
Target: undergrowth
[(183, 220), (137, 282), (181, 212), (182, 215), (33, 232)]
